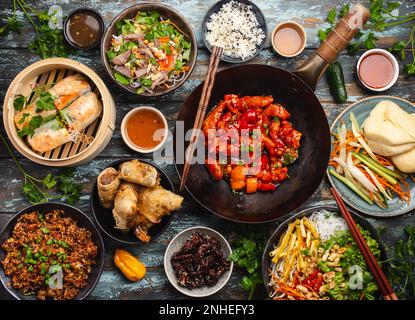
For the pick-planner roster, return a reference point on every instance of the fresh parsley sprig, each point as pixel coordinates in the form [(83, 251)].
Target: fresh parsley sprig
[(399, 49), (39, 190), (48, 42), (248, 255), (402, 263), (12, 24)]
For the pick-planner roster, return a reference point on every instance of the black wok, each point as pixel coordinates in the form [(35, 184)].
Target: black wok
[(292, 90)]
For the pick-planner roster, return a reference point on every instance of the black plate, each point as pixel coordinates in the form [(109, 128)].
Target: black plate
[(273, 240), (105, 220), (261, 21), (82, 221)]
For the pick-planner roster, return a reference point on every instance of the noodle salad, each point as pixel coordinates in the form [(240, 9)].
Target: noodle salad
[(149, 52), (317, 258)]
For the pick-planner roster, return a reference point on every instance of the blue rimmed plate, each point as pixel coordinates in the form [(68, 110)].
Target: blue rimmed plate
[(361, 110)]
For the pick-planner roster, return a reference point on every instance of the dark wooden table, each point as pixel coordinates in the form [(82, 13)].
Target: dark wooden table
[(14, 57)]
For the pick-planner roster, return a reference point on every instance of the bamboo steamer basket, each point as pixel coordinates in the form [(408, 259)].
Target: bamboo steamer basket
[(72, 153)]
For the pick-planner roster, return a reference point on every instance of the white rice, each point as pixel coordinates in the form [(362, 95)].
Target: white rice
[(327, 223), (236, 29)]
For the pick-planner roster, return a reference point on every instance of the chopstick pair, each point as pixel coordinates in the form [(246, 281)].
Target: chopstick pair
[(201, 110), (382, 281)]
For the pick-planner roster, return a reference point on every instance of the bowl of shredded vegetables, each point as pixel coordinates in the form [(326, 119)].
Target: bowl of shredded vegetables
[(149, 49), (313, 256)]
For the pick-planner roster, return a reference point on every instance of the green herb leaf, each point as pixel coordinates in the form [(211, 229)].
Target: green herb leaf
[(30, 128), (49, 181), (44, 230), (248, 255), (32, 194), (398, 48), (12, 25), (23, 118), (344, 10), (331, 17), (71, 191), (409, 69), (48, 42), (45, 102), (19, 102)]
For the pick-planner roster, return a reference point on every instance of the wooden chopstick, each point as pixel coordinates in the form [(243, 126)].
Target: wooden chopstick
[(382, 281), (201, 110)]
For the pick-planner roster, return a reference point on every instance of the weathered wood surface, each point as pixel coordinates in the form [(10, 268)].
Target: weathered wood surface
[(311, 14)]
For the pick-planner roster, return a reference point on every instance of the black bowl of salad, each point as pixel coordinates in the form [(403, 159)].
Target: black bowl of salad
[(312, 255), (149, 49)]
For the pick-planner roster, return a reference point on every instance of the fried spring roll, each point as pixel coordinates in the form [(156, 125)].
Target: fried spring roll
[(140, 173), (155, 203), (108, 184), (125, 206)]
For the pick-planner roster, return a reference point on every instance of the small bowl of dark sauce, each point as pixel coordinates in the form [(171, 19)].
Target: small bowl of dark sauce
[(83, 29)]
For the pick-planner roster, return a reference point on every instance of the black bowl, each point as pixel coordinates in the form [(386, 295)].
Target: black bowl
[(273, 240), (105, 219), (92, 12), (261, 21), (167, 13), (82, 221)]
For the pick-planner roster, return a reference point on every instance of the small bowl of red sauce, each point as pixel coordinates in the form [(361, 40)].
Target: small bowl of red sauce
[(83, 29), (144, 129), (377, 70)]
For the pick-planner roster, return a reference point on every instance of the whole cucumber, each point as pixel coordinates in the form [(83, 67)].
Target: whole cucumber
[(335, 79)]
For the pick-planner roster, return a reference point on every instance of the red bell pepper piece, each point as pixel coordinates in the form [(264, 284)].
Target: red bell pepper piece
[(250, 116), (266, 186)]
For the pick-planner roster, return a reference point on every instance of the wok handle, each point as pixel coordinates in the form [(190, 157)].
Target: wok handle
[(337, 40)]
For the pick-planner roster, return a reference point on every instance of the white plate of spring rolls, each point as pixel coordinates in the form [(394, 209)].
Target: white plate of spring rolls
[(133, 201)]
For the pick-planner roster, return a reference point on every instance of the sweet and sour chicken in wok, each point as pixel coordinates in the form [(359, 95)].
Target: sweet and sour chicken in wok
[(268, 129)]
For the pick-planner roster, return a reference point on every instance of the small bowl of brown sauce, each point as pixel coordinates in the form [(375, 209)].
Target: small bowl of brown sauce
[(144, 129), (288, 39), (377, 70), (83, 29)]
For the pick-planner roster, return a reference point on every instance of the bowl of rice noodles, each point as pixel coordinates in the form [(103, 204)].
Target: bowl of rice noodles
[(313, 256)]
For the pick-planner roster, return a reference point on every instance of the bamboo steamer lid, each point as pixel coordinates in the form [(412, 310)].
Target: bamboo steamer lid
[(70, 154)]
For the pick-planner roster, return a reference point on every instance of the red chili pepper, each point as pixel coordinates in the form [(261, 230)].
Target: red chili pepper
[(314, 280)]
